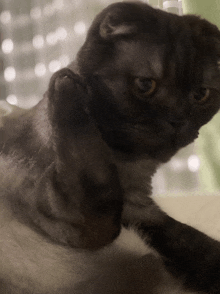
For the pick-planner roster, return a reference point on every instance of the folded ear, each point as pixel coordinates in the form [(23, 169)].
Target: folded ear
[(113, 26)]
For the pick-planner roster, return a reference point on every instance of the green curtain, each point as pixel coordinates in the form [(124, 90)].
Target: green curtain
[(209, 142), (209, 9)]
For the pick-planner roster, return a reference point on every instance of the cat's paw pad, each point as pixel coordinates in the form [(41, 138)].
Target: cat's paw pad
[(65, 81), (68, 97), (65, 78)]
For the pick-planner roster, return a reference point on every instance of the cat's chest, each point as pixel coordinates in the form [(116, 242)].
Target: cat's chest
[(28, 261), (136, 175)]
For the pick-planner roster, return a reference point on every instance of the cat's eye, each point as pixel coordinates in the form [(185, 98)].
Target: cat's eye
[(201, 95), (145, 86)]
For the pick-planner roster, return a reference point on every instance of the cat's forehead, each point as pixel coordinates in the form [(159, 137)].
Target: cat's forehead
[(178, 62), (144, 58)]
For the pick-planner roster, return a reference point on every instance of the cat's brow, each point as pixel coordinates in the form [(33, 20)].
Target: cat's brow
[(148, 62), (156, 66), (153, 58)]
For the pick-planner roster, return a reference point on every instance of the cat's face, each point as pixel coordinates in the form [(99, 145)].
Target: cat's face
[(155, 77)]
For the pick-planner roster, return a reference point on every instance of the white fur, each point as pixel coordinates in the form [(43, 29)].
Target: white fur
[(30, 262)]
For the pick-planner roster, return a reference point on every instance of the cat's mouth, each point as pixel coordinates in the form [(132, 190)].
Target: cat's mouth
[(138, 137), (153, 138), (173, 134)]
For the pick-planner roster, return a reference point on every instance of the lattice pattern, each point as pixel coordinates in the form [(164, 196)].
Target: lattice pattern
[(39, 37)]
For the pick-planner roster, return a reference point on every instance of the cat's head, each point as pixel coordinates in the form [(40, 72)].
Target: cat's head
[(155, 77)]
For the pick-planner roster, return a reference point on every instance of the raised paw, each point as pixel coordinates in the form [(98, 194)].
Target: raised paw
[(64, 81), (68, 99)]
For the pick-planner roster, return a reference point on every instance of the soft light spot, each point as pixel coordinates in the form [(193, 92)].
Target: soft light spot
[(51, 38), (12, 99), (61, 33), (64, 60), (193, 163), (54, 65), (177, 164), (48, 10), (40, 69), (5, 17), (9, 74), (38, 41), (7, 46), (58, 4), (80, 28), (35, 13)]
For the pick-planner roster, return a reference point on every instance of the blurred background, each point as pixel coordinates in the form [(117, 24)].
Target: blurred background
[(38, 37)]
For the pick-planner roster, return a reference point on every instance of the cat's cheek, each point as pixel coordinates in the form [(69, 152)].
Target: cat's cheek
[(186, 134), (202, 114), (150, 136), (184, 139)]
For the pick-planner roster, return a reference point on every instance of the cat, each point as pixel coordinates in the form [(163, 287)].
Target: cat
[(76, 212)]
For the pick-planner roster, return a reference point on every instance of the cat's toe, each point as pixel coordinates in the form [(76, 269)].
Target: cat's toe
[(64, 72), (64, 79), (64, 82)]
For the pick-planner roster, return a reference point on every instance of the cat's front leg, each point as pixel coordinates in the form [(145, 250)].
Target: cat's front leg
[(188, 254), (79, 195)]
